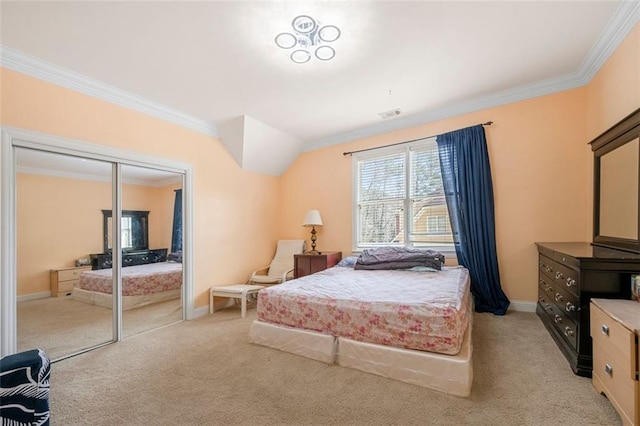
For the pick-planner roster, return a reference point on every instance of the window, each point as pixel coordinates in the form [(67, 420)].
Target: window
[(438, 225), (398, 186)]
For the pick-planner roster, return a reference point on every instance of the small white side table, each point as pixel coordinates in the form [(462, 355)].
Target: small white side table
[(239, 291)]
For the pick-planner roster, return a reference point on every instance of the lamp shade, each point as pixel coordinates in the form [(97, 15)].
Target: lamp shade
[(312, 218)]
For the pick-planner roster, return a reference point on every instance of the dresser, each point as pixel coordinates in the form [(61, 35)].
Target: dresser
[(307, 264), (138, 257), (615, 327), (569, 275), (65, 279)]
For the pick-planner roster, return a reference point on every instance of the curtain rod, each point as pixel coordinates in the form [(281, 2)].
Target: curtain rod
[(488, 123)]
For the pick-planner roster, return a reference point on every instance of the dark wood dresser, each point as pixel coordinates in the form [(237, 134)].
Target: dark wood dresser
[(569, 275), (138, 257), (307, 263)]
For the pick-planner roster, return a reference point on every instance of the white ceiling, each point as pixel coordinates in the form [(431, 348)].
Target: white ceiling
[(209, 62)]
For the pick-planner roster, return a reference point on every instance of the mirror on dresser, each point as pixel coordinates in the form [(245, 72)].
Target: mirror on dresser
[(135, 229), (616, 222)]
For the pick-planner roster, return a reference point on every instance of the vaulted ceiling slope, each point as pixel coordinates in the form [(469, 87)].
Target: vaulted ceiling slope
[(204, 65)]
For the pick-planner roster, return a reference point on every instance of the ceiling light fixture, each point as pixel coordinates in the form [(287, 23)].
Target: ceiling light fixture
[(309, 39)]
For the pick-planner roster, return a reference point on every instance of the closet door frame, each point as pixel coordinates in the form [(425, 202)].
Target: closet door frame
[(12, 138)]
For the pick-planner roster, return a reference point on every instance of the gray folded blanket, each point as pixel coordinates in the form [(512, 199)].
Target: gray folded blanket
[(392, 257)]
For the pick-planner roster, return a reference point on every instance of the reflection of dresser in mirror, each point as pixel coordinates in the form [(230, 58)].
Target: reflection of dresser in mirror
[(570, 274), (131, 258)]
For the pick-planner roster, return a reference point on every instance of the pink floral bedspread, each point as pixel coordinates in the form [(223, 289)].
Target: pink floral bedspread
[(136, 280), (426, 311)]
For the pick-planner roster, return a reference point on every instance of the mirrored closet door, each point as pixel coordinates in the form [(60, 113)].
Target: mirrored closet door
[(59, 203), (151, 239)]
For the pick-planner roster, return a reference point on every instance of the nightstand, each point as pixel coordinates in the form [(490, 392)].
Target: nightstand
[(615, 328), (307, 263), (63, 280)]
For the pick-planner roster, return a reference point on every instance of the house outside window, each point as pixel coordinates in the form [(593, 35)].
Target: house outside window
[(438, 225), (399, 198)]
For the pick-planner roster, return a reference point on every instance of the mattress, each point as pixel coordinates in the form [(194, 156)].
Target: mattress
[(427, 311), (137, 280)]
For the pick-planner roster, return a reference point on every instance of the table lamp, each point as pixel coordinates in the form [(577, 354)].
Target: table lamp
[(313, 219)]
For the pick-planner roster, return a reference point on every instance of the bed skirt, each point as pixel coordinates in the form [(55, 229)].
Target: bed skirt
[(451, 374), (128, 302)]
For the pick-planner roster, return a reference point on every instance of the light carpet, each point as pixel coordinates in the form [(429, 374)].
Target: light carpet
[(204, 372), (62, 325)]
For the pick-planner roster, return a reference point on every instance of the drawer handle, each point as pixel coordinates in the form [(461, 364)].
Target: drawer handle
[(605, 329), (557, 319), (568, 332), (559, 275), (608, 369), (570, 307), (558, 297), (571, 282)]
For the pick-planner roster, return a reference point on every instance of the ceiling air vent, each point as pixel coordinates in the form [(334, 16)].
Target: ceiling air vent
[(389, 114)]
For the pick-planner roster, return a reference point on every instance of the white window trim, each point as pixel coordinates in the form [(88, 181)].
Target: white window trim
[(446, 249)]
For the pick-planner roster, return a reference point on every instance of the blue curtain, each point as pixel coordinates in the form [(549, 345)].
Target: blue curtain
[(466, 177), (176, 235)]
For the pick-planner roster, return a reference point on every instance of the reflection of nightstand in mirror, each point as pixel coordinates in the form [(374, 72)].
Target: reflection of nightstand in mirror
[(63, 280), (307, 264)]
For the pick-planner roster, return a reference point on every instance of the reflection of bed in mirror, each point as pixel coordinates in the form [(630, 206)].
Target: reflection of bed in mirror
[(141, 285)]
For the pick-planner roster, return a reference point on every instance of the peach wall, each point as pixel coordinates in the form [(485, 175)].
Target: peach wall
[(60, 220), (541, 163), (234, 211), (538, 155), (614, 92)]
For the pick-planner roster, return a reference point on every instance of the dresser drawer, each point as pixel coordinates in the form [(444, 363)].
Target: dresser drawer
[(566, 302), (546, 287), (614, 338), (566, 278), (67, 286), (71, 274), (546, 267), (565, 325), (612, 372)]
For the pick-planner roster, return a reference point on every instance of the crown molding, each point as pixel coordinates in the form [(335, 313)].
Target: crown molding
[(622, 22), (619, 26), (20, 62)]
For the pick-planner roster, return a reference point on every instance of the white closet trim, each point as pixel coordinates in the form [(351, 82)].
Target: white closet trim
[(14, 137)]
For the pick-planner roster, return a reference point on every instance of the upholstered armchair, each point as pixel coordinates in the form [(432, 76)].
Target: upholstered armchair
[(24, 388), (281, 267)]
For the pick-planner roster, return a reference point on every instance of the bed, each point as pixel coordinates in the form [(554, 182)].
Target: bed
[(408, 325), (141, 285)]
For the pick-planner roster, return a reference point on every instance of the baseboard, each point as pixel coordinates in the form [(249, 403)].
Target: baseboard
[(204, 310), (199, 312), (522, 306), (33, 296)]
